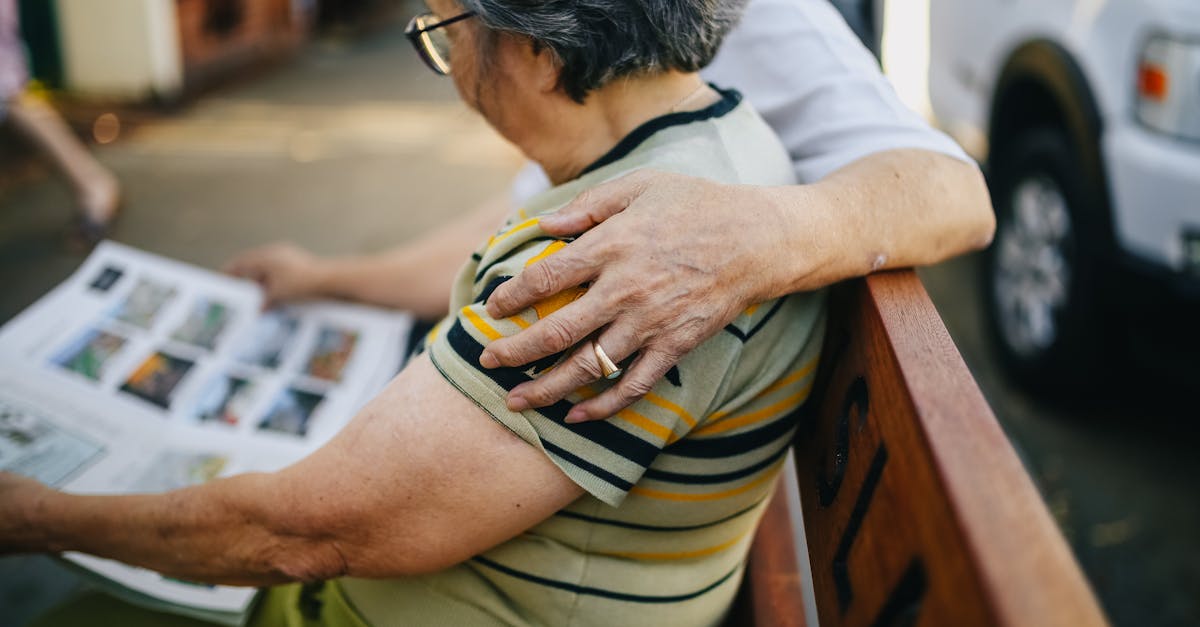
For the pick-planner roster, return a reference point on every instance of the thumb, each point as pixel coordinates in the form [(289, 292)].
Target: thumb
[(596, 204)]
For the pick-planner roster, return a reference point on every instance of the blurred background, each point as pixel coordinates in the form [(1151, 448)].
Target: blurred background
[(230, 123)]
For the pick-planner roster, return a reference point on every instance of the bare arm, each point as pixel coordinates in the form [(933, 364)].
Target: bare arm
[(415, 277), (420, 480), (672, 259)]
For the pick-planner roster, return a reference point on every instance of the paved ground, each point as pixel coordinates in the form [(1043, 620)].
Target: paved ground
[(355, 147)]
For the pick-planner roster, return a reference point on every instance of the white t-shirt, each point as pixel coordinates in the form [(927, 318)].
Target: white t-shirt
[(821, 91)]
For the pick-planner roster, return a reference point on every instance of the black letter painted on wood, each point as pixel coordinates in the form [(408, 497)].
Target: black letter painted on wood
[(827, 488), (903, 605), (841, 568)]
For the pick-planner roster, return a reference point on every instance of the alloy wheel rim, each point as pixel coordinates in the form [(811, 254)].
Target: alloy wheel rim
[(1032, 273)]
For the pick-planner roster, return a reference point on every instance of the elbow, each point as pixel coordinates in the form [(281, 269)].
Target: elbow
[(404, 555), (307, 561), (987, 229), (365, 547), (977, 218), (983, 216)]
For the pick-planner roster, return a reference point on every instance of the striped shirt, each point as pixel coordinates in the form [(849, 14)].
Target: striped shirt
[(676, 483)]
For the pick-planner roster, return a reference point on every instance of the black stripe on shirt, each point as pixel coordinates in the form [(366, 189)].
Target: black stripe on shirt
[(729, 446), (486, 293), (600, 432), (691, 479), (628, 525), (730, 99), (600, 592), (516, 249), (587, 466), (745, 336)]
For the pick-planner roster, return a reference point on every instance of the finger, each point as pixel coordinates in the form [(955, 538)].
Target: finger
[(553, 334), (596, 204), (237, 266), (638, 380), (580, 368), (569, 267), (247, 264)]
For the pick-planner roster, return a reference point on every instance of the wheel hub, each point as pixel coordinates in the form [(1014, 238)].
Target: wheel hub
[(1032, 271)]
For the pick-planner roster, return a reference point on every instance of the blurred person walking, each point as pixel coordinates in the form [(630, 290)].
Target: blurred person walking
[(97, 191)]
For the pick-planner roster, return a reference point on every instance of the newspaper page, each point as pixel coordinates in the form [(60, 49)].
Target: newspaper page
[(143, 374)]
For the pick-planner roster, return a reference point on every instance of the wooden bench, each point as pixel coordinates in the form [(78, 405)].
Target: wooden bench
[(916, 508)]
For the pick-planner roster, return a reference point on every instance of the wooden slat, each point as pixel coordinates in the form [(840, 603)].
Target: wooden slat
[(916, 507)]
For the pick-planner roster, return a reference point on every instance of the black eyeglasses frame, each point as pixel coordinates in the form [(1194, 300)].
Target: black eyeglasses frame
[(419, 37)]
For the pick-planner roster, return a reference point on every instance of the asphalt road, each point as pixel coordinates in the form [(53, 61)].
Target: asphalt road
[(1118, 468), (355, 147)]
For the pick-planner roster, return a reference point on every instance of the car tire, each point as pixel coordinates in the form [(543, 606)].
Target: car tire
[(1042, 275)]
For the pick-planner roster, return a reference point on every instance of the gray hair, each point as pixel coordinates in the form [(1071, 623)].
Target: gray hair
[(597, 41)]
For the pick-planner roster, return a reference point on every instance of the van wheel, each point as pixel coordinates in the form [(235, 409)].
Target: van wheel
[(1041, 273)]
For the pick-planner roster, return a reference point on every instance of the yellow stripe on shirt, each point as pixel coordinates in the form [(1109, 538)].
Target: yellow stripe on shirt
[(480, 323), (787, 380), (683, 555), (671, 407), (645, 424), (499, 237), (550, 249), (765, 413), (709, 496)]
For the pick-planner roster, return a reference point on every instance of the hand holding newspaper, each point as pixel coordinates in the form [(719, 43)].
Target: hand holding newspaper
[(143, 374)]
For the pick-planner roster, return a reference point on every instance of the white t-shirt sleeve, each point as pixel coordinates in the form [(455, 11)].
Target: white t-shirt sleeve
[(815, 83)]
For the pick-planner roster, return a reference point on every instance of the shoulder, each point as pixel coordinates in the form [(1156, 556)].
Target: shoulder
[(735, 147)]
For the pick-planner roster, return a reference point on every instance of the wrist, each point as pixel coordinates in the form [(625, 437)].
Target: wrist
[(789, 223), (37, 526), (325, 277)]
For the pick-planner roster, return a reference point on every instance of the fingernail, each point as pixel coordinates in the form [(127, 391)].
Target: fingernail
[(517, 403), (488, 360), (576, 416)]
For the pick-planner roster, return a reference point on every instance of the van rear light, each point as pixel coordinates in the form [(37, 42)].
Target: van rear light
[(1168, 87)]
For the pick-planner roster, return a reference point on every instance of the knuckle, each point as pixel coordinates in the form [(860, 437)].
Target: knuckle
[(501, 299), (540, 394), (585, 198), (634, 387), (558, 336), (542, 279), (586, 367), (501, 350)]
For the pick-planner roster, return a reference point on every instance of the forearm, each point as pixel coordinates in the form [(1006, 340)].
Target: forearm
[(222, 532), (891, 210), (415, 277)]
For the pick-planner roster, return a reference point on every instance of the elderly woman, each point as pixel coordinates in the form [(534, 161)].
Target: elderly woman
[(438, 504), (877, 189)]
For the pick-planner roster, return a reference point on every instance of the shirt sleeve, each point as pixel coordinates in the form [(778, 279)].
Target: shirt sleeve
[(818, 87), (606, 458)]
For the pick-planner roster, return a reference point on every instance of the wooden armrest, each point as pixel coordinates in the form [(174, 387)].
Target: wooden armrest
[(916, 508)]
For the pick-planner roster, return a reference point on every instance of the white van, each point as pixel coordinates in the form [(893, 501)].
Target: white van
[(1086, 114)]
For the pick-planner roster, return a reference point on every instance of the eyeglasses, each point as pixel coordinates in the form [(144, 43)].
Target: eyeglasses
[(432, 44)]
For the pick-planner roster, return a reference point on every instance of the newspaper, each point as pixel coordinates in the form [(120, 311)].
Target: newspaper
[(143, 374)]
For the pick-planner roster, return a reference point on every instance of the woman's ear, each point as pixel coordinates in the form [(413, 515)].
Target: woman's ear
[(546, 66)]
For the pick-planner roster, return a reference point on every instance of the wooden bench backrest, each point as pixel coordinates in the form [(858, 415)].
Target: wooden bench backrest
[(916, 508)]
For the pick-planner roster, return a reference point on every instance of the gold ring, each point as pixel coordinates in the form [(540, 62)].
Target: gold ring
[(610, 370)]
